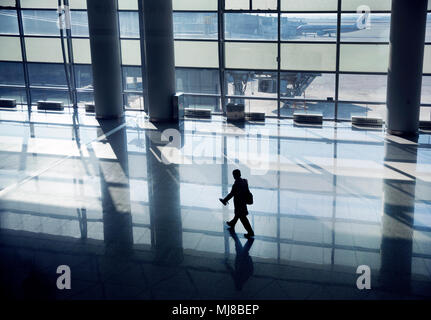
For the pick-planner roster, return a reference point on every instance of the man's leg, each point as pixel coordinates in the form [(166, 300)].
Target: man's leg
[(233, 222), (247, 225)]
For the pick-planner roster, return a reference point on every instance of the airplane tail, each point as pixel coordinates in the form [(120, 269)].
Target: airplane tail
[(363, 22)]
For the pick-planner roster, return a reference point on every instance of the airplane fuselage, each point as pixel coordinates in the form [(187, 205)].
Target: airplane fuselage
[(325, 29)]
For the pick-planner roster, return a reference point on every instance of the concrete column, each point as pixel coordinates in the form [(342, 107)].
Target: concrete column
[(407, 37), (105, 56), (160, 63)]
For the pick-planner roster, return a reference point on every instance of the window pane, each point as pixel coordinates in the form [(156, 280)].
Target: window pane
[(81, 51), (237, 4), (427, 59), (78, 4), (85, 97), (309, 5), (425, 114), (251, 55), (8, 3), (212, 103), (47, 75), (287, 108), (38, 22), (373, 58), (307, 84), (8, 22), (192, 25), (13, 53), (204, 81), (426, 89), (269, 107), (129, 24), (128, 4), (251, 83), (372, 28), (264, 4), (131, 52), (43, 50), (11, 93), (196, 54), (251, 26), (309, 27), (428, 28), (84, 76), (134, 101), (43, 4), (132, 78), (362, 87), (304, 56), (11, 73), (195, 5), (353, 5), (347, 110), (79, 21), (49, 95)]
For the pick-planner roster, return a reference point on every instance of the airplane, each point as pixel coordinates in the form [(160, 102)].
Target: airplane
[(320, 30)]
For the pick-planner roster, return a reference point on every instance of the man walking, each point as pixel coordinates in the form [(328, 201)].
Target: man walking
[(240, 193)]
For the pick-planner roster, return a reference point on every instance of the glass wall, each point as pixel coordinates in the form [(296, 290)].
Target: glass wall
[(277, 60), (197, 60), (425, 113), (12, 80), (363, 62), (32, 66)]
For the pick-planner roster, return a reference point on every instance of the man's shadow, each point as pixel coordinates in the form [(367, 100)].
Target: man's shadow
[(243, 263)]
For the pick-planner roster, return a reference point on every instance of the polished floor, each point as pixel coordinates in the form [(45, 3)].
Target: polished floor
[(132, 208)]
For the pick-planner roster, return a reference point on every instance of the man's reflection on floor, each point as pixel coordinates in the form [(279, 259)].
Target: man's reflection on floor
[(243, 263)]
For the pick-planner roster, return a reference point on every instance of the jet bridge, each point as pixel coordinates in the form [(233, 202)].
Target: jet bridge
[(295, 84), (291, 84)]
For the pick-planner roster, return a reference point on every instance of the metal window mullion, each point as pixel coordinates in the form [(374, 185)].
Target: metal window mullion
[(337, 61), (250, 41), (195, 39), (123, 94), (143, 55), (278, 58), (71, 59), (250, 11), (194, 11), (23, 54), (308, 42), (221, 56)]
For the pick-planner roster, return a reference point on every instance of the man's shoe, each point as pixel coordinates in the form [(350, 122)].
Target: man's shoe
[(230, 224), (249, 236)]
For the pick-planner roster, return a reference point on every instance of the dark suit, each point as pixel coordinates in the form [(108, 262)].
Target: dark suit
[(239, 193)]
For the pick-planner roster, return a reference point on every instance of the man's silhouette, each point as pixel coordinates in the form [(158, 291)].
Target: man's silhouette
[(243, 263), (239, 193)]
